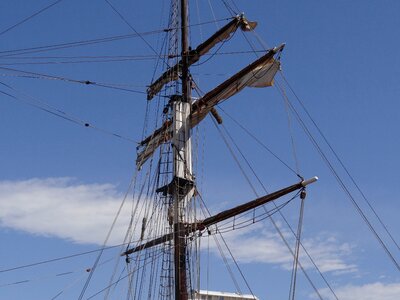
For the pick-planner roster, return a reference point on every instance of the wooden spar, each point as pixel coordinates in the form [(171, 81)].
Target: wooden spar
[(155, 242), (194, 55), (253, 204), (201, 225), (204, 101), (202, 107)]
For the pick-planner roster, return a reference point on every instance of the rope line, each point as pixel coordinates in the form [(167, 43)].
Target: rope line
[(59, 113), (30, 17), (85, 82), (292, 290), (58, 46), (51, 47), (342, 164), (93, 269), (58, 259), (134, 30), (260, 142), (294, 152), (342, 185), (284, 239)]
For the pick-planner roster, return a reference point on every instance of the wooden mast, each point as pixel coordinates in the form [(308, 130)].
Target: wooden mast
[(186, 92), (182, 162)]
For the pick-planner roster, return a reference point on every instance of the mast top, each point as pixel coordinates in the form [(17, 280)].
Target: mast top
[(304, 183)]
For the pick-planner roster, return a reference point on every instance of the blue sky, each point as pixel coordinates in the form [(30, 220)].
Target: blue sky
[(61, 184)]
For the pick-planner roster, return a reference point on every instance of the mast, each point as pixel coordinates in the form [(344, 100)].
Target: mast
[(182, 163), (186, 92), (177, 129)]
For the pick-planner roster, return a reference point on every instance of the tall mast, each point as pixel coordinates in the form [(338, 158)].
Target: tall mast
[(183, 180), (186, 92), (185, 116)]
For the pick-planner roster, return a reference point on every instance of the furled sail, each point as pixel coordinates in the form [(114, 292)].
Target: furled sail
[(258, 74), (194, 55)]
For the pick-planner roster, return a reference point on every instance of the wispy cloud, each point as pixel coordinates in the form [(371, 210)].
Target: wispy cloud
[(62, 208), (372, 291), (263, 245), (329, 253), (83, 213)]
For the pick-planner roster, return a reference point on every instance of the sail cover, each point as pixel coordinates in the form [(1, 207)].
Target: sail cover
[(261, 75), (258, 74), (194, 55)]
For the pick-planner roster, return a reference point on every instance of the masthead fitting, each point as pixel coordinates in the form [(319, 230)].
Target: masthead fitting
[(304, 183), (279, 48)]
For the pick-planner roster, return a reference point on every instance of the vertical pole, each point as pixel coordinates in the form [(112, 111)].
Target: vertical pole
[(186, 92), (181, 194), (182, 162)]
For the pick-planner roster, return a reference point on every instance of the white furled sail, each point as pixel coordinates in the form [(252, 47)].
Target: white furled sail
[(260, 73), (194, 55)]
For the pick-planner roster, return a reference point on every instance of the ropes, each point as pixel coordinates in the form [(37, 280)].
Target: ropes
[(291, 135), (29, 100), (93, 268), (260, 143), (207, 213), (30, 17), (55, 60), (293, 281), (34, 279), (229, 8), (343, 186), (235, 158), (342, 164), (58, 259), (283, 237), (151, 259), (131, 27), (85, 82), (117, 281), (52, 47)]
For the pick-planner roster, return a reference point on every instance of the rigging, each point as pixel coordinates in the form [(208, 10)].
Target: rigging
[(30, 17)]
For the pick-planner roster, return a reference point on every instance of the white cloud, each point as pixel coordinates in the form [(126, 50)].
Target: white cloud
[(330, 254), (372, 291), (62, 208), (83, 213), (262, 245)]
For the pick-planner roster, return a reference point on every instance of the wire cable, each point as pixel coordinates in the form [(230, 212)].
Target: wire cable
[(260, 142), (341, 162), (285, 241), (342, 184), (294, 152), (85, 82), (30, 17), (230, 9), (59, 258), (51, 47), (59, 113), (207, 213), (292, 290), (93, 269), (292, 231), (45, 48), (131, 27), (119, 280)]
